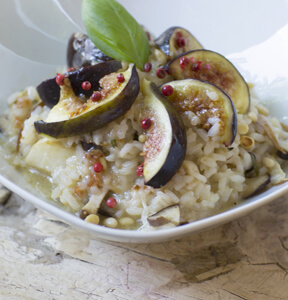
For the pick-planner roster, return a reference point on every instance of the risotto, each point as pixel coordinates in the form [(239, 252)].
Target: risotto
[(148, 149)]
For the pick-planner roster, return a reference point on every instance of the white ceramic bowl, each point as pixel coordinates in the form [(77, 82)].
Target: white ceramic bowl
[(256, 31)]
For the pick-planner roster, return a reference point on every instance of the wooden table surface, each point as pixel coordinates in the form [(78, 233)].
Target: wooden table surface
[(43, 258)]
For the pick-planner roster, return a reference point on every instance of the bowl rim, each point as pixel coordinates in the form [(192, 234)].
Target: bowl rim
[(138, 236)]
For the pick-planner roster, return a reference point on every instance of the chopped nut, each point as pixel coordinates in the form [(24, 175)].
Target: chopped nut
[(247, 142), (92, 218), (110, 222), (243, 128), (142, 138)]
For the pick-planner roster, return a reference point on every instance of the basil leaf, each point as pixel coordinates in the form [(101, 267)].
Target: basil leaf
[(115, 32)]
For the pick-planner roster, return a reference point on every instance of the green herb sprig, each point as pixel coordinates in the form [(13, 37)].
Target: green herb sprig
[(115, 32)]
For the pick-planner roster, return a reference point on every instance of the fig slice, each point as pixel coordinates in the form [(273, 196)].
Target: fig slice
[(48, 154), (72, 117), (170, 214), (166, 142), (254, 166), (210, 66), (49, 90), (283, 155), (255, 185), (212, 105), (177, 40), (263, 122), (82, 52)]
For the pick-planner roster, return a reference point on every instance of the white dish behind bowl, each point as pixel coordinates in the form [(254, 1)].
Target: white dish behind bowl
[(21, 72)]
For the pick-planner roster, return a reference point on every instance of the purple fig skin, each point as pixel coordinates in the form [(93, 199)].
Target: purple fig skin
[(207, 65), (49, 90), (178, 144), (96, 118), (81, 52), (260, 188), (230, 134), (167, 41), (282, 155)]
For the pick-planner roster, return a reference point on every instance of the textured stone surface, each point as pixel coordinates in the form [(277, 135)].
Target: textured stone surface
[(43, 258)]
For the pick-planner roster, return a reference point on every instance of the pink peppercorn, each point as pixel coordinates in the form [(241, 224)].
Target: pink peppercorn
[(146, 123), (111, 202), (167, 90), (60, 79), (184, 61), (86, 85), (120, 78), (196, 66), (96, 96), (181, 42), (161, 73), (139, 171), (147, 67), (98, 167)]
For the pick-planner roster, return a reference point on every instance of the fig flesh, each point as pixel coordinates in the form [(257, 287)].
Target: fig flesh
[(210, 66), (165, 147), (49, 90), (255, 185), (170, 214), (281, 152), (213, 107), (82, 52), (176, 40), (48, 154), (72, 117)]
